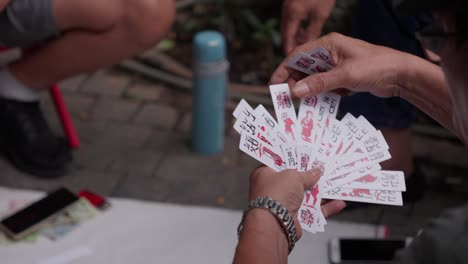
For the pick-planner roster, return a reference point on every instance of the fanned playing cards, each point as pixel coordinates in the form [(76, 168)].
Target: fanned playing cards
[(346, 151)]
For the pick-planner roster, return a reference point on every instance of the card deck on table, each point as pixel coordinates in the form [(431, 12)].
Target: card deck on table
[(347, 152)]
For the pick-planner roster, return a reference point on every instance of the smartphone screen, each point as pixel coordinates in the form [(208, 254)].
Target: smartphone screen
[(39, 211), (357, 249)]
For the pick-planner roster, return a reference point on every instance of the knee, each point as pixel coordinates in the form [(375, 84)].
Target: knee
[(151, 21), (90, 15)]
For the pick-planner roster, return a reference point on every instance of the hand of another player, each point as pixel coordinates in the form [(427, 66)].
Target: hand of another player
[(360, 67), (314, 12), (287, 187)]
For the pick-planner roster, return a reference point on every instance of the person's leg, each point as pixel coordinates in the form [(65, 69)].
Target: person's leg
[(95, 34), (77, 36)]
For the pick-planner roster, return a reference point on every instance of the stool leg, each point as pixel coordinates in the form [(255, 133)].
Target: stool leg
[(64, 116)]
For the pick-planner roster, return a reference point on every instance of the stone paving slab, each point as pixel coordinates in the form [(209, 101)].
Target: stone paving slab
[(109, 83), (114, 110)]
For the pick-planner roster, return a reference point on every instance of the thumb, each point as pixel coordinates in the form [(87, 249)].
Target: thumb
[(310, 178), (321, 82)]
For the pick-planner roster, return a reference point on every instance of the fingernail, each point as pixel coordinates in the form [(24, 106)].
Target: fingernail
[(300, 89)]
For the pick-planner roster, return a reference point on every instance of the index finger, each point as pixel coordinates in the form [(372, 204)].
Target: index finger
[(289, 28)]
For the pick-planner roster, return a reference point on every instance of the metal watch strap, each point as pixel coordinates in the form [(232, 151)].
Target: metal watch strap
[(280, 212)]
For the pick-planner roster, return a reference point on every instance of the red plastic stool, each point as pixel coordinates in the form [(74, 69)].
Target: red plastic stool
[(62, 111)]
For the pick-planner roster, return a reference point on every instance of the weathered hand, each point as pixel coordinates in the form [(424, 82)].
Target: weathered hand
[(287, 187), (360, 67)]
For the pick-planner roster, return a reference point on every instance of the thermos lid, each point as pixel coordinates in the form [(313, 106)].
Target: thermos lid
[(209, 46)]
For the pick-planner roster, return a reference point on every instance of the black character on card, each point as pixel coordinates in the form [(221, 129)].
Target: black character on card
[(270, 122), (248, 114), (247, 127), (251, 143), (282, 99), (352, 127), (333, 106), (304, 162), (310, 101), (305, 63), (321, 113), (372, 144)]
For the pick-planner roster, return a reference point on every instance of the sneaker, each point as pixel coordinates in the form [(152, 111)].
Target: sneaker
[(28, 141)]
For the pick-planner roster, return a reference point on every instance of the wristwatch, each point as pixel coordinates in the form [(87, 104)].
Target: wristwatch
[(281, 213)]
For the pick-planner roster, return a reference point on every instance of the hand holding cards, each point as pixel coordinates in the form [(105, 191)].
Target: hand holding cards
[(347, 151)]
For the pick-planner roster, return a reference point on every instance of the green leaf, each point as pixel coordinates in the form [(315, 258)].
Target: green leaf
[(166, 44)]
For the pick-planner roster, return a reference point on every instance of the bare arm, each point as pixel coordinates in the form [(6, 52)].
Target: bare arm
[(384, 72), (424, 86), (262, 239)]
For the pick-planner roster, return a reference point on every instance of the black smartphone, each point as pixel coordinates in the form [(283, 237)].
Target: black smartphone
[(29, 219), (365, 250)]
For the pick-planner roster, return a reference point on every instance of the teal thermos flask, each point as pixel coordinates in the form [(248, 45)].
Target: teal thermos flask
[(209, 92)]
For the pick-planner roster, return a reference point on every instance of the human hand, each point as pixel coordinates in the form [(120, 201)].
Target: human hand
[(287, 187), (360, 67), (314, 12)]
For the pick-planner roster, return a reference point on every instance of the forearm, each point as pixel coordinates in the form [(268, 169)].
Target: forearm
[(424, 86), (262, 240)]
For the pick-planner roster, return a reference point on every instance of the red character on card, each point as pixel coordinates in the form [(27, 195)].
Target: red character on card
[(358, 193), (283, 101), (314, 193), (367, 178), (307, 124), (288, 126), (275, 157), (307, 217)]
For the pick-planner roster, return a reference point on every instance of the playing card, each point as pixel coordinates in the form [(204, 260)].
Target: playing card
[(243, 105), (268, 125), (304, 157), (360, 164), (308, 65), (308, 218), (284, 109), (311, 217), (307, 117), (290, 155), (380, 180), (365, 196), (246, 121), (337, 181), (262, 152), (323, 55)]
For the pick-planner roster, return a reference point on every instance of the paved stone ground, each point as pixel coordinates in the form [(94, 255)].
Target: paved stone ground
[(135, 143)]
